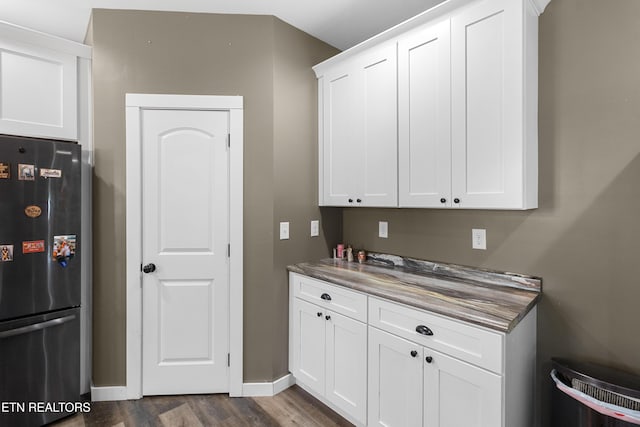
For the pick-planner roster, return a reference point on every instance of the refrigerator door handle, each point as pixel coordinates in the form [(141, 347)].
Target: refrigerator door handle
[(36, 326)]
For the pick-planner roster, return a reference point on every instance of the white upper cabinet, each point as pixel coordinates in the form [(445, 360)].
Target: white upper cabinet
[(358, 119), (494, 159), (39, 84), (424, 117), (466, 122)]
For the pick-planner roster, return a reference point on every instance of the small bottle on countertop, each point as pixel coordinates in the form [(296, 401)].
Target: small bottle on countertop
[(362, 256), (340, 250), (350, 254)]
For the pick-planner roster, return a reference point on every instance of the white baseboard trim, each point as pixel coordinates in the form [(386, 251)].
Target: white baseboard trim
[(268, 389), (103, 394)]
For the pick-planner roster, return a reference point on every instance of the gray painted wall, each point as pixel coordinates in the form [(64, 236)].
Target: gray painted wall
[(209, 54), (584, 240)]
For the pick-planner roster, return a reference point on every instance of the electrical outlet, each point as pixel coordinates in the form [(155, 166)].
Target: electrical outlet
[(383, 229), (315, 228), (479, 238), (284, 231)]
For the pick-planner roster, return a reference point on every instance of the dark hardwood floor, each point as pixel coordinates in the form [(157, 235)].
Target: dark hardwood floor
[(292, 407)]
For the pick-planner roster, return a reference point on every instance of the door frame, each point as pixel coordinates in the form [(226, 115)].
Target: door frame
[(135, 104)]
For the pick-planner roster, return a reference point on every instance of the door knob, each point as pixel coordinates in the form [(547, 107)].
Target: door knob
[(149, 268), (428, 359), (414, 353)]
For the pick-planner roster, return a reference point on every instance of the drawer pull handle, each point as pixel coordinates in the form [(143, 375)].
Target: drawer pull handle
[(424, 330), (326, 297), (414, 353), (429, 359), (327, 317), (319, 314)]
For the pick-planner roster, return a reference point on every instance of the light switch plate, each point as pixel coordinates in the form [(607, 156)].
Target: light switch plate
[(383, 229), (479, 238), (284, 231), (315, 228)]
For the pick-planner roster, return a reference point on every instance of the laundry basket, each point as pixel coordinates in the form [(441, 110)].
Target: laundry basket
[(589, 395)]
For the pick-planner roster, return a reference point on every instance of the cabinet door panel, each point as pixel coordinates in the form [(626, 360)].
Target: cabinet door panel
[(395, 381), (342, 143), (346, 352), (379, 115), (424, 99), (309, 345), (487, 106), (457, 394), (38, 91)]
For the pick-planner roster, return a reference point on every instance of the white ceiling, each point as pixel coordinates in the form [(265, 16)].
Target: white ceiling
[(341, 23)]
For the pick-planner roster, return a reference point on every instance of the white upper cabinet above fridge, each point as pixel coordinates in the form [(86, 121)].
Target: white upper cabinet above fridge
[(39, 83), (466, 118)]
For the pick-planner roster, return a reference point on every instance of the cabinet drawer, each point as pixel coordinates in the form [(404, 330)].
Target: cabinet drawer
[(466, 342), (336, 298)]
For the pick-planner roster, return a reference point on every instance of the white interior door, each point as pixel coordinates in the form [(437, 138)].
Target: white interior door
[(185, 233)]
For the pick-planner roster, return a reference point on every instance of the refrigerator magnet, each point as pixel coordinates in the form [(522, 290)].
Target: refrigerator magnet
[(50, 173), (64, 248), (5, 171), (6, 253), (33, 247), (26, 172), (33, 211)]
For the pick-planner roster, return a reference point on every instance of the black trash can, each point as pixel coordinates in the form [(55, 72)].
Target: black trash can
[(590, 395)]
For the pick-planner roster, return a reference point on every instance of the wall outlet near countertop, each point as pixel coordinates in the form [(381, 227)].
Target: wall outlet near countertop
[(383, 229), (284, 231), (479, 238), (315, 228)]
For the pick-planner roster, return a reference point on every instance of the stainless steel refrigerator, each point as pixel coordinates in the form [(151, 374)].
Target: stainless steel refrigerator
[(39, 280)]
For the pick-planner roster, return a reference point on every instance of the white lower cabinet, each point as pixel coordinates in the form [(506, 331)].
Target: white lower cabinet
[(395, 380), (459, 394), (329, 358), (405, 366), (411, 385)]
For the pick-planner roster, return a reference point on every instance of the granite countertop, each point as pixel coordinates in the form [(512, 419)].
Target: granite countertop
[(495, 300)]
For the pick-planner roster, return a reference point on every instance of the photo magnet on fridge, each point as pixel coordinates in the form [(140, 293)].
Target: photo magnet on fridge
[(6, 253), (26, 172), (5, 171), (64, 248)]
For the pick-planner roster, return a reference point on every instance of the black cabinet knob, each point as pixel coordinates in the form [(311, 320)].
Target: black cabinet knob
[(350, 200), (319, 314), (456, 200), (326, 297), (443, 200), (327, 317), (149, 268), (424, 330), (428, 359), (414, 353), (359, 200)]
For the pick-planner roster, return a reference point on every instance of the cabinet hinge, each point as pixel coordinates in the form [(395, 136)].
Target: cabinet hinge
[(228, 359), (229, 250), (228, 140)]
